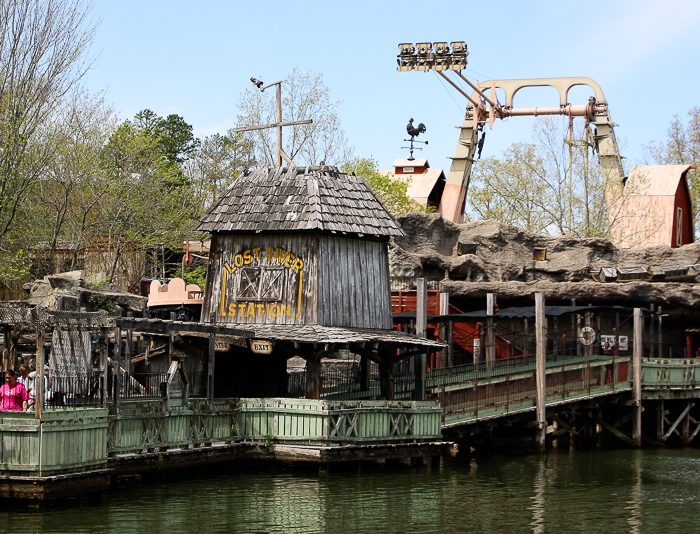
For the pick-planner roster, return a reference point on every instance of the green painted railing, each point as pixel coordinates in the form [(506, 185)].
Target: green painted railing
[(146, 425), (64, 441), (78, 440), (677, 373), (473, 394)]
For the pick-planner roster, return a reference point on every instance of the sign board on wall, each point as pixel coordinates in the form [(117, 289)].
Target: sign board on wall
[(260, 346)]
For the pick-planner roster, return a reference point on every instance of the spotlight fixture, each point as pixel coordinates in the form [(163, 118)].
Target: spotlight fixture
[(437, 56), (257, 83)]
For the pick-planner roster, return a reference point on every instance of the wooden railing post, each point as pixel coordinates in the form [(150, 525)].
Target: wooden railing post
[(39, 384), (210, 370), (117, 380), (421, 331), (490, 332), (104, 363), (637, 377), (444, 329), (540, 373)]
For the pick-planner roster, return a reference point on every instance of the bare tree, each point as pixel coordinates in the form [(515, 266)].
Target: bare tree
[(304, 96), (43, 47)]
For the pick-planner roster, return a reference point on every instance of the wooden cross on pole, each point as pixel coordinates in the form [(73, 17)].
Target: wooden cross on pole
[(279, 124)]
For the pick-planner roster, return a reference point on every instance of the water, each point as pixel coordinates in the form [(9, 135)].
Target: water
[(654, 491)]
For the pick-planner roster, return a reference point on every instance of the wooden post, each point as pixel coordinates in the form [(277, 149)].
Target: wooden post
[(451, 345), (637, 378), (386, 379), (685, 425), (616, 350), (365, 377), (210, 370), (313, 376), (421, 331), (540, 373), (660, 413), (652, 333), (128, 350), (104, 354), (6, 346), (117, 380), (490, 332), (39, 379), (526, 326), (660, 337), (444, 328), (555, 341)]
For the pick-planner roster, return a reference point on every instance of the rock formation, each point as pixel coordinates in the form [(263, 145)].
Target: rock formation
[(483, 257)]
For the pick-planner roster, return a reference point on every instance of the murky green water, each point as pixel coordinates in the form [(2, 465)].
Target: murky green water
[(654, 491)]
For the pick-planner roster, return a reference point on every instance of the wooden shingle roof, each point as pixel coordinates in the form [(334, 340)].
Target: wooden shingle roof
[(300, 198)]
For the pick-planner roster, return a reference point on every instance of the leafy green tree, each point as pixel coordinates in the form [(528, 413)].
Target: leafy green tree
[(391, 191), (304, 96), (145, 207), (173, 135)]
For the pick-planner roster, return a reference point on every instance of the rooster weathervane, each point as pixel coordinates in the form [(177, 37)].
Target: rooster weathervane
[(414, 131)]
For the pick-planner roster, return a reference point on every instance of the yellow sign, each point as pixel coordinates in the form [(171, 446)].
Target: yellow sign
[(260, 277), (259, 346)]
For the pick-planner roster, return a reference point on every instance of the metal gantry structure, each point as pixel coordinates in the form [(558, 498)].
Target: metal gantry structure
[(481, 109)]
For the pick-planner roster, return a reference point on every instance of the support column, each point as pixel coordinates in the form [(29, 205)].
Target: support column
[(386, 379), (490, 332), (104, 364), (117, 380), (6, 345), (660, 413), (313, 377), (660, 336), (210, 370), (364, 372), (39, 379), (540, 373), (637, 378), (421, 331), (444, 329)]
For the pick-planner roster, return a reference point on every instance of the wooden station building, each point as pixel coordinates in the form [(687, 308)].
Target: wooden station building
[(299, 256)]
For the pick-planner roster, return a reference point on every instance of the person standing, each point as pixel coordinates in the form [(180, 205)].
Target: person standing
[(13, 395), (28, 380)]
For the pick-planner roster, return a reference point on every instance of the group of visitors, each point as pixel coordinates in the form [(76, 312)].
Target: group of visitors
[(19, 392)]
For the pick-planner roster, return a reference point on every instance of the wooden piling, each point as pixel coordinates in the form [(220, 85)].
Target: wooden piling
[(637, 378), (421, 331), (490, 331), (540, 371)]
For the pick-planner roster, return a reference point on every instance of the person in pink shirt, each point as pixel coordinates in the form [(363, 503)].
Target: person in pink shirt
[(13, 395)]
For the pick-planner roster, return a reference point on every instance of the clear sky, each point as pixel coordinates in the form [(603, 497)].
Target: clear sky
[(196, 58)]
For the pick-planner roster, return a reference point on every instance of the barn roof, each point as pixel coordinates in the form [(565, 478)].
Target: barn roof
[(645, 214), (420, 185), (300, 198)]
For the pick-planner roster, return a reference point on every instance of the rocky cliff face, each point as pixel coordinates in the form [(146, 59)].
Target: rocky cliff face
[(484, 257)]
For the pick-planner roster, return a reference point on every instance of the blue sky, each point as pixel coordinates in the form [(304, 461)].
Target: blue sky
[(196, 58)]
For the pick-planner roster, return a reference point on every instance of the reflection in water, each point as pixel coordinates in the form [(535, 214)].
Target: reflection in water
[(584, 492), (538, 502), (634, 505)]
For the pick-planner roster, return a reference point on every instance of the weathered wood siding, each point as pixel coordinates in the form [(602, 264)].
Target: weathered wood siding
[(262, 279), (353, 283)]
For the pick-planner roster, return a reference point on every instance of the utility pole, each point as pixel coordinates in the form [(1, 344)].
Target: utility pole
[(279, 124)]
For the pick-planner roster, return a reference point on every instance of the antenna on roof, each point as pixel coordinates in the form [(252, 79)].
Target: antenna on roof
[(414, 131)]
